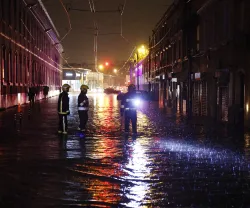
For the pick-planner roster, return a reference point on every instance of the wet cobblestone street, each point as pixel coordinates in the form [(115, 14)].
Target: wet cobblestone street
[(166, 165)]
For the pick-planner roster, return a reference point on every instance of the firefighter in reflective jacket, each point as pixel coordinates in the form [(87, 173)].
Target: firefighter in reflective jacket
[(128, 100), (83, 107), (63, 109)]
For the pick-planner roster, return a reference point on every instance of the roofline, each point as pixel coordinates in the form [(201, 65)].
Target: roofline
[(165, 15), (50, 20), (76, 68)]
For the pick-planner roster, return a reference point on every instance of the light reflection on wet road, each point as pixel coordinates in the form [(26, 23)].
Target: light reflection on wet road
[(165, 166)]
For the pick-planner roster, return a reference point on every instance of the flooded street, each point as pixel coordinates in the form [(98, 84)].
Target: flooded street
[(166, 165)]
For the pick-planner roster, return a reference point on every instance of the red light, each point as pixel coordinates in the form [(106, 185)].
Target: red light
[(107, 63)]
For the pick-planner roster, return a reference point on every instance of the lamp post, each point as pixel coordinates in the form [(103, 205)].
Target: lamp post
[(101, 67), (141, 53), (137, 70)]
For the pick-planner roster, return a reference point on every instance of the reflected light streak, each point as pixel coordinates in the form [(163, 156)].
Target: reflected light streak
[(103, 148), (115, 101), (73, 148), (94, 100), (18, 98), (102, 191), (203, 153), (247, 141), (139, 165)]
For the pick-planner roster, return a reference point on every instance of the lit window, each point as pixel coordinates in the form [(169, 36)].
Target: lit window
[(16, 68), (198, 38), (20, 69), (10, 67), (3, 64)]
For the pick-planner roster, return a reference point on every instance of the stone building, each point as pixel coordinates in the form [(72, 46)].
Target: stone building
[(199, 58), (30, 51)]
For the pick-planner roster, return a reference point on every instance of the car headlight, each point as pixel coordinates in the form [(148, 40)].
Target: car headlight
[(100, 90)]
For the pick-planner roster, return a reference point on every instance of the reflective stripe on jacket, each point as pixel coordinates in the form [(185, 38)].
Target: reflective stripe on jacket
[(83, 102), (83, 108), (63, 103)]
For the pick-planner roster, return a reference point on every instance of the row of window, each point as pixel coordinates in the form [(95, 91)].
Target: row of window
[(18, 16), (18, 69), (214, 27)]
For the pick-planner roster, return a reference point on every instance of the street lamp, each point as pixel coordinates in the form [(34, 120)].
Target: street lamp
[(140, 54), (101, 67), (115, 70), (142, 50)]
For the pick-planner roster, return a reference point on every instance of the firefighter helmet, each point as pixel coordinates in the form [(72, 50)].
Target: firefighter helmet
[(66, 87), (131, 87), (84, 87)]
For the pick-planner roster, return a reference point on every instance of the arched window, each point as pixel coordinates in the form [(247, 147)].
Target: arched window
[(3, 65), (16, 67), (25, 68), (10, 67), (28, 71), (33, 72), (20, 68)]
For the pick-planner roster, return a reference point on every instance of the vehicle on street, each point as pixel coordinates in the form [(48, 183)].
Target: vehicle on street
[(111, 91)]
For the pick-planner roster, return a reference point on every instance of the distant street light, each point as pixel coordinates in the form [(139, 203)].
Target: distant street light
[(142, 52), (101, 67), (139, 55), (115, 70)]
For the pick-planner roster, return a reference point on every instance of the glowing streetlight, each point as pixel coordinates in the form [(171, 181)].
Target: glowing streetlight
[(107, 63), (100, 67), (142, 52), (115, 70)]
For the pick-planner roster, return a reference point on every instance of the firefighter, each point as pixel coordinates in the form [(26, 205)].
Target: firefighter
[(83, 107), (63, 109), (130, 109), (119, 97), (45, 91), (31, 95)]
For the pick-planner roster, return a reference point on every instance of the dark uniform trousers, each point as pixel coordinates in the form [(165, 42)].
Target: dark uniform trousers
[(63, 122), (130, 115), (83, 115)]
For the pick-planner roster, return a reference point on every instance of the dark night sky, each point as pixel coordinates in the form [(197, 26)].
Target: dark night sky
[(139, 18)]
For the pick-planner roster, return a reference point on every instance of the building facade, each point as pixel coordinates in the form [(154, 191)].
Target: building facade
[(75, 76), (198, 60), (30, 51)]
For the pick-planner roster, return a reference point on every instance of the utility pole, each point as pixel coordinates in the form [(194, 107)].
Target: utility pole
[(137, 72), (95, 51), (189, 33), (189, 97)]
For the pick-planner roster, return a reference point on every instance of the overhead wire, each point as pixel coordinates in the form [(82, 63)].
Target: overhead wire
[(128, 58), (160, 39), (122, 11), (90, 5), (92, 9), (93, 6), (70, 27)]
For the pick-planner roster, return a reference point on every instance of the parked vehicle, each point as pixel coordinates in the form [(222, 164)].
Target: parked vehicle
[(111, 91)]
